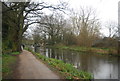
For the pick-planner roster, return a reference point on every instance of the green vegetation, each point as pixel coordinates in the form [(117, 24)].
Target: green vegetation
[(8, 63), (67, 70), (15, 53), (87, 49)]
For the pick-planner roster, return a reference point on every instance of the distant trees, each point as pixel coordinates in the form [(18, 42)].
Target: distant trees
[(52, 26), (87, 26), (113, 28), (80, 29), (68, 36), (56, 29), (36, 37)]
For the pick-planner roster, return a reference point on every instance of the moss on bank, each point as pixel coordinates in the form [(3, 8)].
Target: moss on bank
[(8, 64), (67, 70)]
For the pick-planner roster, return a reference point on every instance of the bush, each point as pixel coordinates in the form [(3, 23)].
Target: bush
[(7, 62)]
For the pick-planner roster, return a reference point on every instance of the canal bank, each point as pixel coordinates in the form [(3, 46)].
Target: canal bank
[(105, 51)]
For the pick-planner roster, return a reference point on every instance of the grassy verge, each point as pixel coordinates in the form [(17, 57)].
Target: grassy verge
[(8, 62), (67, 70), (88, 49)]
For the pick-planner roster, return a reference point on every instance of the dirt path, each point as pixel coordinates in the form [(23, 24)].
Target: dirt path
[(31, 68)]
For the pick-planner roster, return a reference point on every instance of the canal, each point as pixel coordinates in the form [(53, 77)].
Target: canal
[(101, 66)]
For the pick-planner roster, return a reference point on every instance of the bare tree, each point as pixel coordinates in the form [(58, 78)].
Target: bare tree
[(52, 25), (88, 25), (113, 28), (23, 14), (112, 42)]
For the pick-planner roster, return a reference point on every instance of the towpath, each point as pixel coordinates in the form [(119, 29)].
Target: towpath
[(31, 68)]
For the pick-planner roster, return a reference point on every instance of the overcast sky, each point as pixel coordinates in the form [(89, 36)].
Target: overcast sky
[(106, 10)]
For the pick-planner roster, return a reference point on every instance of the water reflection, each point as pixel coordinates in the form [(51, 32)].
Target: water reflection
[(102, 67)]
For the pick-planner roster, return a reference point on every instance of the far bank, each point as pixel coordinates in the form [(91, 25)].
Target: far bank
[(96, 50)]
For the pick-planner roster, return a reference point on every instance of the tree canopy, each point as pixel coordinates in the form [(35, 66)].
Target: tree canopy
[(17, 17)]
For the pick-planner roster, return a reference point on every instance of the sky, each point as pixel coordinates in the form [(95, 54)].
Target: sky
[(106, 10)]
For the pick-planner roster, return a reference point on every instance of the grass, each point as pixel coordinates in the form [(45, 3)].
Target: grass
[(66, 69), (15, 53), (8, 61), (88, 49)]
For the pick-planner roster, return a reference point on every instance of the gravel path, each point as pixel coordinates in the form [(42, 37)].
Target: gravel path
[(31, 68)]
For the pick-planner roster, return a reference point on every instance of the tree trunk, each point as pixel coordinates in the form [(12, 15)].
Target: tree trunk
[(21, 29), (17, 42)]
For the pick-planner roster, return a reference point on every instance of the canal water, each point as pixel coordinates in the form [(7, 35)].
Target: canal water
[(101, 66)]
